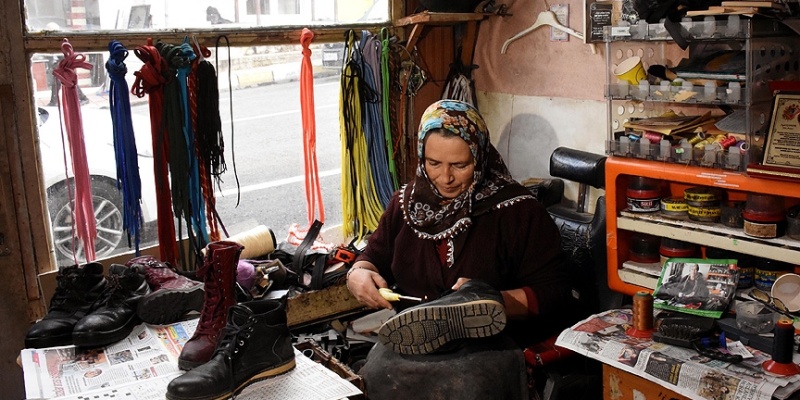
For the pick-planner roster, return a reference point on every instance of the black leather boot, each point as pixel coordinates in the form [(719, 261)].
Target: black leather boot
[(116, 317), (256, 344), (79, 288), (475, 310)]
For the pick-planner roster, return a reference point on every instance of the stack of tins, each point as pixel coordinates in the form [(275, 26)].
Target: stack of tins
[(767, 271), (673, 248), (644, 248), (703, 203), (643, 194), (764, 216), (674, 207)]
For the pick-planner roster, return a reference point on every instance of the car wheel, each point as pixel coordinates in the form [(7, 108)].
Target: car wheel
[(107, 202)]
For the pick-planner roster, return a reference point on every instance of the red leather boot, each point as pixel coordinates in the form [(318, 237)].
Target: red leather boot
[(171, 295), (219, 276)]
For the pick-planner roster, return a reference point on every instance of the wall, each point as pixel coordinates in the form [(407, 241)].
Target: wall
[(540, 94)]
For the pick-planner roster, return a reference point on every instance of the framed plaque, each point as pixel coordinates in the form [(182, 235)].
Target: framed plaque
[(782, 148)]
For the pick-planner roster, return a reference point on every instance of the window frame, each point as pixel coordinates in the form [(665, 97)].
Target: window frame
[(17, 94)]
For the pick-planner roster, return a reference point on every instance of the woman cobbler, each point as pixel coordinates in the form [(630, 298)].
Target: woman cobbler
[(462, 218)]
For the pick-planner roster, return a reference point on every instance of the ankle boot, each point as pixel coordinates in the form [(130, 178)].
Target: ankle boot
[(256, 344), (219, 276), (116, 317), (171, 294), (78, 289), (475, 310)]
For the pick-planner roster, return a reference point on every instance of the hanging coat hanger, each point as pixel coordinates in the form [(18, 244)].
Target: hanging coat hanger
[(545, 18)]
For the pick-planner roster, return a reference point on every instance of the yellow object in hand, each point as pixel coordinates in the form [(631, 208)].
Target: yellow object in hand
[(389, 295)]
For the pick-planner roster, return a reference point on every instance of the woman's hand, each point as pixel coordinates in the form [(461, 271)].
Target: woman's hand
[(363, 282), (460, 282)]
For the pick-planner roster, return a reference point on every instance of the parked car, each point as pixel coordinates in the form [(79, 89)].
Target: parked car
[(107, 199)]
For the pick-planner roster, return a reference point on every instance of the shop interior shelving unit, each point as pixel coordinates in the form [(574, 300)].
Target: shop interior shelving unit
[(772, 53)]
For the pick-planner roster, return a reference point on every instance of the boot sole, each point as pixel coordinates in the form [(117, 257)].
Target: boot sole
[(281, 369), (169, 305), (423, 330)]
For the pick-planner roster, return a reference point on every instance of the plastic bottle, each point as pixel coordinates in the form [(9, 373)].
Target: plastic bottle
[(709, 26), (709, 91), (734, 24), (624, 145), (686, 150), (665, 149), (644, 89), (734, 92)]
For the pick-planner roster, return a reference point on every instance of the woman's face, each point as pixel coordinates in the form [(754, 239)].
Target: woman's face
[(448, 163)]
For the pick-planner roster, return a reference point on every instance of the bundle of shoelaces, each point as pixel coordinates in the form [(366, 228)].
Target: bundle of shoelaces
[(378, 82), (183, 99)]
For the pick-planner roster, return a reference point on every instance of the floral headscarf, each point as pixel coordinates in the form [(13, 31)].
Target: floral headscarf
[(424, 209)]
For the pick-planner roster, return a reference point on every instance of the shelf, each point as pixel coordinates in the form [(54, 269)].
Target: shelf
[(433, 18), (736, 28), (675, 94), (620, 224), (419, 21), (713, 235)]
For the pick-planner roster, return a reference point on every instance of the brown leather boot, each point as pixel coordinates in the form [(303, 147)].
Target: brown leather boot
[(171, 295), (219, 276)]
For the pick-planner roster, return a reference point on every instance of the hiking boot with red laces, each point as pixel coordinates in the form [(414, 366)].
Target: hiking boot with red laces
[(77, 294), (219, 276), (172, 295)]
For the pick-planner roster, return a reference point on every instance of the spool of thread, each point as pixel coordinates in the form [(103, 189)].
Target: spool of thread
[(700, 136), (653, 137), (642, 317), (727, 141), (782, 350), (257, 241)]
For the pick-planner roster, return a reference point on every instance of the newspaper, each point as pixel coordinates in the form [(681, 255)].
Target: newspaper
[(148, 352), (141, 366), (681, 370)]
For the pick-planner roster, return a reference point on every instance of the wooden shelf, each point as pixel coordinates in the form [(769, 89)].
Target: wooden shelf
[(419, 21), (433, 18)]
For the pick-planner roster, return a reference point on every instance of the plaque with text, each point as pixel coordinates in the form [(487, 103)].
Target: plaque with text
[(782, 149)]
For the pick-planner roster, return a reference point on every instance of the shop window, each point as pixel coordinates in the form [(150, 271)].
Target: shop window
[(113, 15), (265, 147), (264, 153), (257, 7)]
